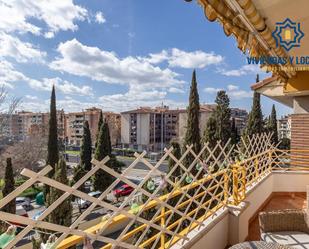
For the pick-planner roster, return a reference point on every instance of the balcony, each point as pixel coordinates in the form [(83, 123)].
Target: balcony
[(214, 201)]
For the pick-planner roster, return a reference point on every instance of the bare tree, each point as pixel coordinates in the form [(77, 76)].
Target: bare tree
[(29, 153), (7, 107)]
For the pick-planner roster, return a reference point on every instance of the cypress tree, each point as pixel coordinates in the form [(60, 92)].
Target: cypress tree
[(209, 135), (234, 132), (78, 173), (102, 179), (86, 149), (223, 117), (192, 135), (63, 214), (9, 186), (52, 146), (100, 122), (52, 149), (273, 126), (255, 120)]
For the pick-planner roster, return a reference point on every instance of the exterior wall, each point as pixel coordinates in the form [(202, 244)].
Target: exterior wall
[(228, 228), (182, 126), (299, 138), (301, 104), (125, 128), (143, 121)]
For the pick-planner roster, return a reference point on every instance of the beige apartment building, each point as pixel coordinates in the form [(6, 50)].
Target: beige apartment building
[(152, 129), (75, 120), (23, 124)]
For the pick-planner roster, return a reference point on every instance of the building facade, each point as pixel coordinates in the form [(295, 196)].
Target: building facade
[(22, 125), (284, 127), (152, 129), (75, 121)]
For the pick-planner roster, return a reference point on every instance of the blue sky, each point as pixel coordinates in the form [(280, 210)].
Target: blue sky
[(119, 55)]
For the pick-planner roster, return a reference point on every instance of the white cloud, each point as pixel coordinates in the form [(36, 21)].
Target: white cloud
[(175, 90), (196, 59), (31, 97), (9, 75), (131, 100), (232, 87), (6, 85), (58, 15), (99, 18), (212, 90), (156, 58), (233, 92), (105, 66), (49, 35), (244, 70), (179, 58), (240, 94), (21, 51), (61, 85)]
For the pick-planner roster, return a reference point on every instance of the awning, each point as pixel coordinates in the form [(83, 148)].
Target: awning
[(241, 18)]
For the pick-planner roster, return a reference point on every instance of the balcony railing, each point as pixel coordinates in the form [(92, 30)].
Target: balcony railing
[(160, 211)]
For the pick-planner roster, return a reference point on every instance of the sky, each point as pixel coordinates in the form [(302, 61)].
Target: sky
[(119, 55)]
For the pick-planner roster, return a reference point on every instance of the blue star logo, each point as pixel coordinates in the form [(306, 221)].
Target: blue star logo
[(288, 34)]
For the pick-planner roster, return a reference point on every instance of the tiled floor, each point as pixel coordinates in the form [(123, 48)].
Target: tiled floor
[(278, 201)]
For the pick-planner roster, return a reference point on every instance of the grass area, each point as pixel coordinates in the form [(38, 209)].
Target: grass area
[(72, 152), (30, 192)]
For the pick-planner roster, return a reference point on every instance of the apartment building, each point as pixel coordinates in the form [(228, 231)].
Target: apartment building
[(241, 118), (149, 128), (152, 129), (21, 125), (284, 127), (75, 121)]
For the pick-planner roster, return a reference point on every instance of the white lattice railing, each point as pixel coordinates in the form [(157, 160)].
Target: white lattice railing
[(167, 211)]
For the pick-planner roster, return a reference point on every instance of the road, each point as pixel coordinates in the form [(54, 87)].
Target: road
[(163, 167)]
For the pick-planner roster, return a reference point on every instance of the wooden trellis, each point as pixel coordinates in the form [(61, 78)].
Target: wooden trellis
[(177, 204)]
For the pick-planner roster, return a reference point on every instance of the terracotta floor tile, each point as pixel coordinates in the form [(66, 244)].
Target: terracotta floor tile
[(292, 201)]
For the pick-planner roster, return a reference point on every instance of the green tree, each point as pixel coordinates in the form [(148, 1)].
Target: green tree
[(223, 117), (102, 179), (209, 135), (52, 146), (285, 144), (62, 215), (100, 122), (234, 132), (273, 125), (86, 148), (192, 135), (9, 186), (171, 163), (255, 120), (78, 173)]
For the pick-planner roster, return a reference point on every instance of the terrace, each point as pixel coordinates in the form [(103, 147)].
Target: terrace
[(214, 202)]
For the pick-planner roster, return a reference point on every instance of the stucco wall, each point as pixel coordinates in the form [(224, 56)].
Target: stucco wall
[(125, 128), (233, 228)]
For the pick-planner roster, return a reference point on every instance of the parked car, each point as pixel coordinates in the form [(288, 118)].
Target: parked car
[(124, 190), (85, 203), (24, 202), (20, 210)]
